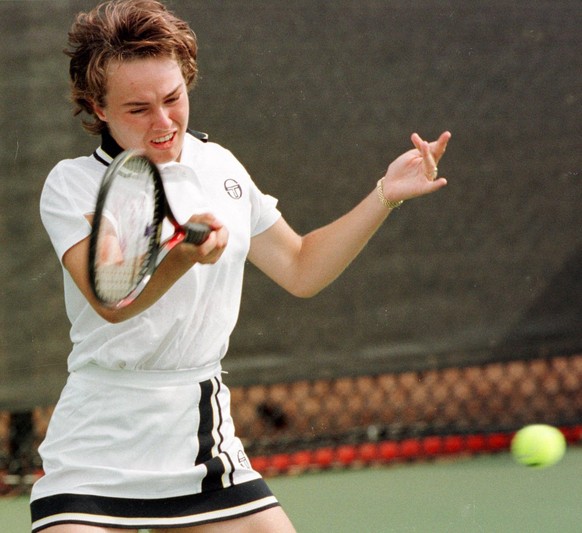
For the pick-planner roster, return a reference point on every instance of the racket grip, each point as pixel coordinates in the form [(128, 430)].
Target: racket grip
[(196, 233)]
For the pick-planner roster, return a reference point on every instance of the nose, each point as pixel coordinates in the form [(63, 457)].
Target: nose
[(161, 119)]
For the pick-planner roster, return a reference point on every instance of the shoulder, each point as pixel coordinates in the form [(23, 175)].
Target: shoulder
[(70, 177), (198, 149), (71, 167)]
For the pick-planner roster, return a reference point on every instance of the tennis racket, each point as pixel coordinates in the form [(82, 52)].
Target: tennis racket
[(125, 245)]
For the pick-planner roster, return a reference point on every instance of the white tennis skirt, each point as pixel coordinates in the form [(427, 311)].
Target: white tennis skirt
[(144, 450)]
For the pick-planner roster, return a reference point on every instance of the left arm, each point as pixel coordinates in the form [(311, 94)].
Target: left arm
[(304, 265)]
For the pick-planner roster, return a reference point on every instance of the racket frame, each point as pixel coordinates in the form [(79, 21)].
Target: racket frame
[(157, 250)]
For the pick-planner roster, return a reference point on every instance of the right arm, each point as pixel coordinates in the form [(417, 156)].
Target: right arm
[(173, 267)]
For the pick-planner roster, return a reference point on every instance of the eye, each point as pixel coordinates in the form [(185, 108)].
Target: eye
[(138, 111)]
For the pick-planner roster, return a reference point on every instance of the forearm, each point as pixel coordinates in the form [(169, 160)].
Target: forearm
[(164, 277), (178, 261), (318, 258), (75, 261), (328, 251)]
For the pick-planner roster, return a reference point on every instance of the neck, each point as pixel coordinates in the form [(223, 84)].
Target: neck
[(109, 144)]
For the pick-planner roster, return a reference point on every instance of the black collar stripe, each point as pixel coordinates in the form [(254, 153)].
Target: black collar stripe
[(100, 159), (111, 149)]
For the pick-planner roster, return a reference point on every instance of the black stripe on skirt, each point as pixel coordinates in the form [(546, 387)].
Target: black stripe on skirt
[(211, 438), (233, 502)]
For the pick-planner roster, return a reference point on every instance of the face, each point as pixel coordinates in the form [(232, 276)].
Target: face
[(146, 107)]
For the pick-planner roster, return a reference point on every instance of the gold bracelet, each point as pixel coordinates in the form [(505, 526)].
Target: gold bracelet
[(390, 204)]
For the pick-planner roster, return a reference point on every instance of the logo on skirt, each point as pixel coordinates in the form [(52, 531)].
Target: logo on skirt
[(243, 460)]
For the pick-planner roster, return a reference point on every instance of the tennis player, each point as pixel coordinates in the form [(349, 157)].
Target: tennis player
[(142, 436)]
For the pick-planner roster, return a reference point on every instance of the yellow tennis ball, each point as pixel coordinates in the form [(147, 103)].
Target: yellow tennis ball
[(538, 445)]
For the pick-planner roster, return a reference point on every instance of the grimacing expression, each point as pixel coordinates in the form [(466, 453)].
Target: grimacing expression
[(146, 107)]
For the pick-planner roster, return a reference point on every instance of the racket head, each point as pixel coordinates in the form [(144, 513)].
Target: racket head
[(126, 231)]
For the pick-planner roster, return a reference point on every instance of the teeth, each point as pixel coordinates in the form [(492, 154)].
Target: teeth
[(164, 139)]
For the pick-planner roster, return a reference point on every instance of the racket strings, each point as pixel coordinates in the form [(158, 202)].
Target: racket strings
[(127, 236)]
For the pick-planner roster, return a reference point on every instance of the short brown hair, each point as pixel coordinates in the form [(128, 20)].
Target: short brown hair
[(123, 30)]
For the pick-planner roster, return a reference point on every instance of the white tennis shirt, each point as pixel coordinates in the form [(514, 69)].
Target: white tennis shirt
[(190, 326)]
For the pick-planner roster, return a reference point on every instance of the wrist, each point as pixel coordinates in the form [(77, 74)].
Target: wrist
[(390, 204)]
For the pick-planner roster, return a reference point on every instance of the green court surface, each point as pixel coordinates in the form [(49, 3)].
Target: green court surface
[(488, 494)]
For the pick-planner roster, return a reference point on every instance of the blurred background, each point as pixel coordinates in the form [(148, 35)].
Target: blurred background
[(467, 294)]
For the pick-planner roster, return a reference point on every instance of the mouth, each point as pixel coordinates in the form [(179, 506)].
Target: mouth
[(160, 141)]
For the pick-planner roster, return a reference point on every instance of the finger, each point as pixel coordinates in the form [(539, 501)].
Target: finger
[(430, 169), (417, 141), (440, 145), (207, 218), (443, 142), (222, 238), (437, 147), (215, 253), (438, 184)]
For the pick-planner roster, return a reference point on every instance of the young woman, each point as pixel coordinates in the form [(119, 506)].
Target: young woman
[(142, 437)]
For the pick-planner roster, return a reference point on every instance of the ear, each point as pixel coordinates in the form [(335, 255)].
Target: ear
[(99, 111)]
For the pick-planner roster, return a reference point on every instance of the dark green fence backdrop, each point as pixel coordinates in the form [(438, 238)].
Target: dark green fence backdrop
[(315, 98)]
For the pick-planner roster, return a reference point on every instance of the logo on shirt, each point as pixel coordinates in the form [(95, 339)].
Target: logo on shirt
[(233, 189)]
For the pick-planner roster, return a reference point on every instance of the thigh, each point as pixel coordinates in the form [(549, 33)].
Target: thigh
[(272, 520)]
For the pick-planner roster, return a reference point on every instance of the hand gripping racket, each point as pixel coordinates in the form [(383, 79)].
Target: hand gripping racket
[(125, 245)]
